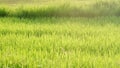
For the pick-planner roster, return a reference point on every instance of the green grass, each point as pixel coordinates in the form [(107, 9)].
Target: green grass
[(59, 34), (62, 9), (60, 42)]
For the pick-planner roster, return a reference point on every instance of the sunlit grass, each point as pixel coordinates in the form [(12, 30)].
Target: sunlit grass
[(59, 34), (60, 42)]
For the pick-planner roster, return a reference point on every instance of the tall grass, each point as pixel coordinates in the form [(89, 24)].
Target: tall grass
[(60, 42), (93, 9), (56, 39), (3, 12)]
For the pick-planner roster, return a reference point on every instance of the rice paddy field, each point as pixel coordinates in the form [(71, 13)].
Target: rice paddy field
[(60, 34)]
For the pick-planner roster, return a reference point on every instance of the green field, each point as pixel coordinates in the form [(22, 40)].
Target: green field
[(63, 34), (60, 42)]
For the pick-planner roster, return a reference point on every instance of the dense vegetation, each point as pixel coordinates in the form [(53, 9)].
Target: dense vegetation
[(63, 9), (59, 34), (60, 42)]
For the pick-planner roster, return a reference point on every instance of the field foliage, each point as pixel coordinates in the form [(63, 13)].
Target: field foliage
[(63, 9), (59, 34), (60, 42)]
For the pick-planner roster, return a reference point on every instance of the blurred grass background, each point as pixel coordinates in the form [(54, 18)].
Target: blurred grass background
[(54, 8)]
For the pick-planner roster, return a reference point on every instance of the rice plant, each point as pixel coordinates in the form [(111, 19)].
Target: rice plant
[(60, 34)]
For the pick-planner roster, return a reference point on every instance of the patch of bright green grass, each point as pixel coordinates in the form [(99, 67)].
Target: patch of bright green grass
[(60, 42)]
